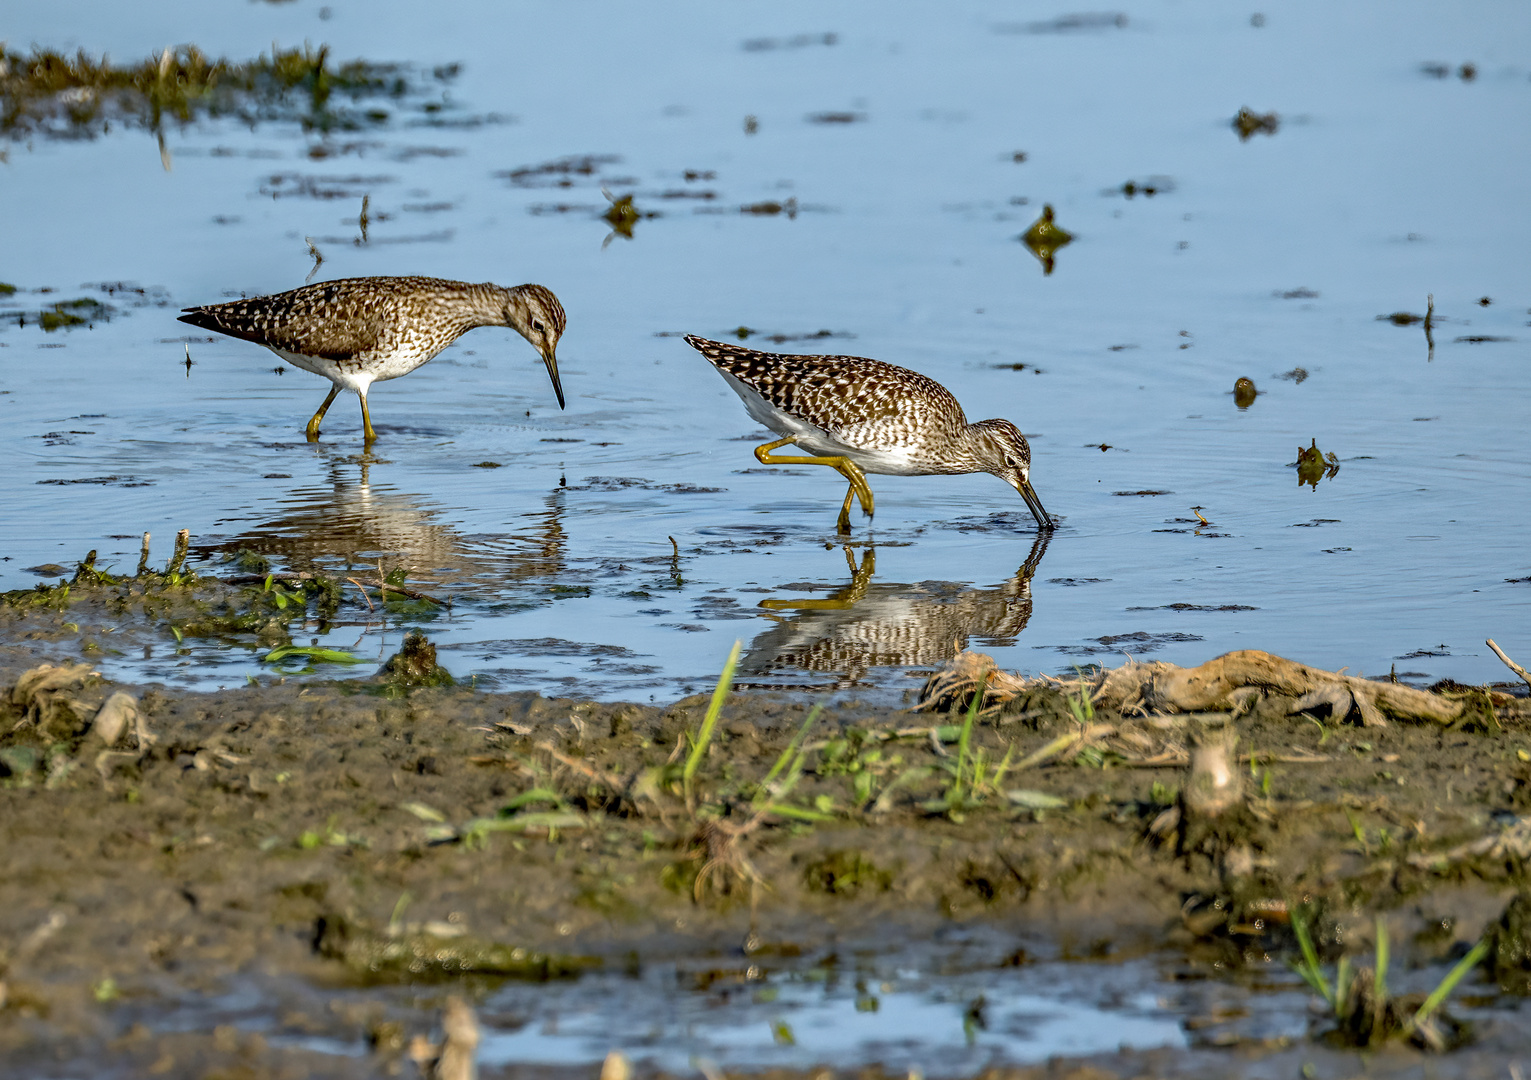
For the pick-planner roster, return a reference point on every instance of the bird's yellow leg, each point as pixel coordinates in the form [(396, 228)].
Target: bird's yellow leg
[(847, 468), (313, 425), (366, 421)]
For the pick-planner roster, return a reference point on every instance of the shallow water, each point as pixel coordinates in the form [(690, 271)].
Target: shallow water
[(909, 1010), (897, 138)]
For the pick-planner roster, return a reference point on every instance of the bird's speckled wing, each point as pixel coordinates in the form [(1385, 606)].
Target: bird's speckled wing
[(334, 320), (843, 395)]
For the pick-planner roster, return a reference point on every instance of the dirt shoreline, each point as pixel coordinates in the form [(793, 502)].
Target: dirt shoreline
[(377, 833)]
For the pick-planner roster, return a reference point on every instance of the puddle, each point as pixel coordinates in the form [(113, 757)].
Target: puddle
[(811, 186), (902, 1017)]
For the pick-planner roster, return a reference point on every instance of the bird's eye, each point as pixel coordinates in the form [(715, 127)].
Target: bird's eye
[(1010, 461), (537, 325)]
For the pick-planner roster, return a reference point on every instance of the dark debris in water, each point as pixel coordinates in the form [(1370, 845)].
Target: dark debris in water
[(1196, 607), (1154, 185), (1467, 72), (1420, 654), (744, 333), (1144, 492), (1296, 375), (1480, 339), (546, 646), (796, 41), (104, 481), (564, 172), (1299, 293), (1137, 642), (624, 483), (298, 185), (1077, 580), (1075, 23), (837, 118)]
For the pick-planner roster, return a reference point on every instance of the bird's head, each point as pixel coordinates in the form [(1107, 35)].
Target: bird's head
[(535, 313), (1003, 451)]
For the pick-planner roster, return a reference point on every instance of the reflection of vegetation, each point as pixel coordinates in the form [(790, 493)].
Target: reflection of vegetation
[(1248, 123), (1313, 465), (57, 96), (622, 215), (80, 311), (1045, 237)]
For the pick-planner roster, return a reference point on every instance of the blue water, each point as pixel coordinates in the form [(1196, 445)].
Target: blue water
[(1382, 184)]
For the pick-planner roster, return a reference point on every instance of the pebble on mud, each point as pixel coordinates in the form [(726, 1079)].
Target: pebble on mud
[(112, 719)]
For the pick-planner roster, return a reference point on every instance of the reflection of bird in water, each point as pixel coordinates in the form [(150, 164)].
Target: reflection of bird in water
[(354, 523), (859, 416), (867, 625), (358, 331)]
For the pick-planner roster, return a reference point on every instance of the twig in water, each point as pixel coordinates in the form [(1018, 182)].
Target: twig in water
[(1511, 664), (362, 589), (143, 558)]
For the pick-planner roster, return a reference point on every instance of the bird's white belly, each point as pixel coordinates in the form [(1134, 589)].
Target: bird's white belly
[(353, 375), (892, 461)]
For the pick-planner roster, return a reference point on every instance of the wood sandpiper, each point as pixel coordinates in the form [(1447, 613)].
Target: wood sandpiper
[(861, 416), (358, 331)]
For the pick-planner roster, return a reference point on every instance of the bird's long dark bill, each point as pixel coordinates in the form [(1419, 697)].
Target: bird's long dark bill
[(1034, 504), (551, 361)]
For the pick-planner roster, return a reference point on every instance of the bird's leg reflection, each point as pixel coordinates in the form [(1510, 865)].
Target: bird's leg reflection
[(868, 625), (861, 577)]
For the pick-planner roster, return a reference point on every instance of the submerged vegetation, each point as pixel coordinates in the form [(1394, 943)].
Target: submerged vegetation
[(48, 94)]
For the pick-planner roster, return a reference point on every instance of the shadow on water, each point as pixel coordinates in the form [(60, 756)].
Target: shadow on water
[(864, 625)]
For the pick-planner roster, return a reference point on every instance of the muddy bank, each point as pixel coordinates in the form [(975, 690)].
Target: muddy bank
[(362, 848)]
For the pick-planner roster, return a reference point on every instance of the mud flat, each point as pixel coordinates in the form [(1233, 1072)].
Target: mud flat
[(351, 854)]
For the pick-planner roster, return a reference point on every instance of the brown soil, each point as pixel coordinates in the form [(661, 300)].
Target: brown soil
[(365, 833)]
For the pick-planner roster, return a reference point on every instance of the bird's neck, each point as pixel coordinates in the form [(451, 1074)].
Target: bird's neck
[(485, 305)]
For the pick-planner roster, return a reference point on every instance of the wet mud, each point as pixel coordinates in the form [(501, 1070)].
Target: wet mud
[(322, 847)]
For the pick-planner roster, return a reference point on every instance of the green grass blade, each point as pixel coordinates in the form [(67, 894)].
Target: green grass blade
[(1342, 977), (791, 750), (1309, 968), (1449, 983), (1379, 978), (965, 738), (710, 721)]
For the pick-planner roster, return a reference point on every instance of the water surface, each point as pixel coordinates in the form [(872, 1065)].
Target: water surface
[(904, 154)]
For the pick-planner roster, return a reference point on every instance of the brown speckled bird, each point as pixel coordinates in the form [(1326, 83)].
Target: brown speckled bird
[(859, 416), (358, 331)]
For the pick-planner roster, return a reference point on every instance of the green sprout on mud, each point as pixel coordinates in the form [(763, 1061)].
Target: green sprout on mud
[(1365, 1013), (789, 768), (703, 736), (971, 775)]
